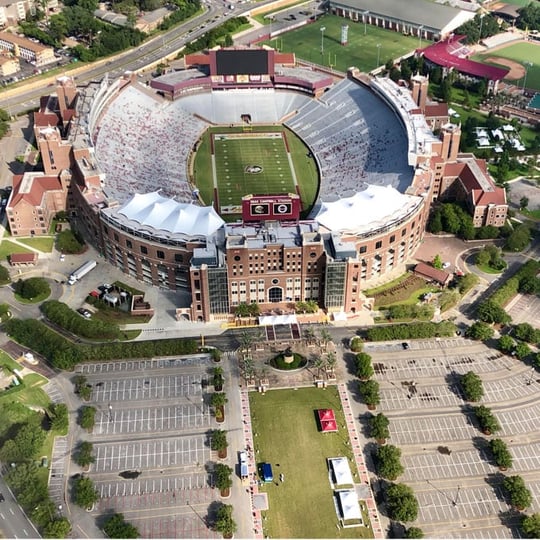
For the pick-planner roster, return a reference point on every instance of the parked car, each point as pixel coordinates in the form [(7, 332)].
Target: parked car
[(85, 313)]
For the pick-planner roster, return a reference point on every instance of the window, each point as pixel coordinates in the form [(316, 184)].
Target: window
[(116, 237), (160, 254), (129, 245), (144, 250), (363, 249), (378, 245), (392, 238)]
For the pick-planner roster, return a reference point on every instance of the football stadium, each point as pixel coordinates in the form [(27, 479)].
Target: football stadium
[(249, 178)]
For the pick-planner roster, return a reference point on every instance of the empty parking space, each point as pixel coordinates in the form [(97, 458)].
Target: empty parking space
[(140, 365), (150, 419), (419, 345), (442, 504), (60, 454), (516, 422), (456, 464), (525, 458), (483, 532), (526, 309), (164, 489), (145, 388), (433, 429), (401, 397), (152, 454), (189, 525), (408, 368)]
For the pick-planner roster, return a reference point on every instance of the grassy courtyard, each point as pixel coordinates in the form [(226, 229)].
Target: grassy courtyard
[(286, 433), (362, 49)]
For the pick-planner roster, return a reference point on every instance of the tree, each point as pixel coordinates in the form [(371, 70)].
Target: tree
[(41, 514), (116, 527), (217, 378), (223, 480), (32, 288), (487, 420), (4, 275), (523, 202), (81, 387), (530, 526), (218, 401), (522, 350), (388, 460), (84, 455), (518, 493), (401, 503), (518, 239), (379, 427), (26, 443), (471, 385), (85, 493), (369, 390), (527, 333), (87, 417), (225, 523), (414, 532), (506, 344), (356, 344), (479, 331), (59, 527), (491, 312), (501, 454), (364, 369), (218, 442), (437, 262), (59, 418)]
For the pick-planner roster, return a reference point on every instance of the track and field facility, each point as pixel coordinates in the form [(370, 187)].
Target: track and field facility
[(233, 162), (361, 51), (521, 53)]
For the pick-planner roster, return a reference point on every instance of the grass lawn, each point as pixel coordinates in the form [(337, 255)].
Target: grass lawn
[(361, 50), (30, 394), (8, 362), (533, 214), (286, 432), (36, 300), (41, 243), (521, 53), (7, 248), (489, 270), (386, 286), (274, 152)]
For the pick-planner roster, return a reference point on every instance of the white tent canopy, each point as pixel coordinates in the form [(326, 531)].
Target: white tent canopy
[(342, 471), (267, 320), (348, 500)]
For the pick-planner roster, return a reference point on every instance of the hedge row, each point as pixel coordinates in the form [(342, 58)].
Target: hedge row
[(63, 354), (411, 331), (62, 315)]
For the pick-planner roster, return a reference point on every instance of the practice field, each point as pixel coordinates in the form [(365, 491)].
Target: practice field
[(286, 436), (361, 51), (521, 53), (231, 163)]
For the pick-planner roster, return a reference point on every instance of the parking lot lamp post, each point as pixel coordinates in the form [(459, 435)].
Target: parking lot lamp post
[(420, 28), (323, 28), (455, 501)]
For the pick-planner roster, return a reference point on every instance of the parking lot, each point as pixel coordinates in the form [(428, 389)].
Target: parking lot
[(526, 309), (152, 455), (446, 458)]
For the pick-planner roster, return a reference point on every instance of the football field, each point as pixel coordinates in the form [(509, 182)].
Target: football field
[(250, 163)]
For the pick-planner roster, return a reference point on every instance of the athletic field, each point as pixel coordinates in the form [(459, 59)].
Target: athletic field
[(519, 52), (361, 50), (232, 162)]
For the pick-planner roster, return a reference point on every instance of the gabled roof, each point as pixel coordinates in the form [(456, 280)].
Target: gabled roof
[(436, 109), (31, 188), (483, 198), (427, 271)]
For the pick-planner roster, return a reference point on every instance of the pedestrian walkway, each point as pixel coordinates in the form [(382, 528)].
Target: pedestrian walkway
[(359, 460)]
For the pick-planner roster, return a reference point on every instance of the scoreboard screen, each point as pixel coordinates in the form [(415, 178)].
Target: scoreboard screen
[(242, 62), (264, 207)]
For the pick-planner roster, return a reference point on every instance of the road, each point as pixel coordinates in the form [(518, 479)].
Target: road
[(13, 521)]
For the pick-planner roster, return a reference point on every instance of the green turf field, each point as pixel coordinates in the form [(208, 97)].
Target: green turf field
[(361, 50), (251, 163), (286, 433), (225, 155), (520, 52)]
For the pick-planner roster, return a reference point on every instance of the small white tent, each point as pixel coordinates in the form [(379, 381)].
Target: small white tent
[(342, 471), (348, 500)]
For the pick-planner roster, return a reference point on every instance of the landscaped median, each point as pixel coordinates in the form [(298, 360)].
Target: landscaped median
[(286, 434)]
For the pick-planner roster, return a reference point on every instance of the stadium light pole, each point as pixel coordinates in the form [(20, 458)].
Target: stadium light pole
[(323, 28), (420, 28), (527, 66), (378, 54), (365, 14)]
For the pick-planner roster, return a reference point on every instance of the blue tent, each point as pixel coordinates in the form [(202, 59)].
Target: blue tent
[(267, 472)]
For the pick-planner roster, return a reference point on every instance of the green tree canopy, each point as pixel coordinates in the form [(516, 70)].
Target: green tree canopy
[(414, 532), (364, 369), (530, 526), (87, 417), (222, 474), (501, 454), (506, 344), (225, 523), (518, 493), (59, 418), (472, 387), (32, 288), (85, 493), (487, 420), (479, 330), (388, 460), (369, 390), (379, 427), (218, 440), (117, 527), (401, 503), (84, 455), (59, 527)]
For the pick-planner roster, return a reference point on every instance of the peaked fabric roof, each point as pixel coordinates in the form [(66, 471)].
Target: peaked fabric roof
[(342, 471), (161, 213), (348, 500)]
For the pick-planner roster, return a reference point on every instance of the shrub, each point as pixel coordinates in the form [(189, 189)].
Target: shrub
[(364, 369), (472, 386), (32, 288), (68, 242), (487, 420), (480, 331), (518, 493), (411, 331), (501, 454), (4, 275)]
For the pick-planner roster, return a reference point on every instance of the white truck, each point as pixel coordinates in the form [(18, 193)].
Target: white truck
[(81, 272), (244, 475)]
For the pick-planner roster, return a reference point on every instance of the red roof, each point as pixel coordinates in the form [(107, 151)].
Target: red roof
[(427, 271), (326, 414), (328, 425), (439, 54), (436, 109), (327, 420), (23, 258), (32, 194)]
